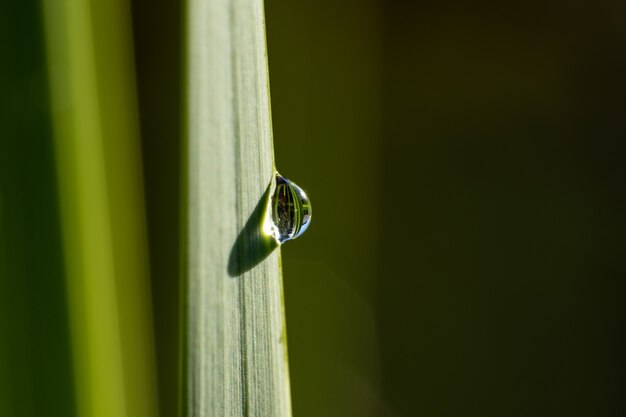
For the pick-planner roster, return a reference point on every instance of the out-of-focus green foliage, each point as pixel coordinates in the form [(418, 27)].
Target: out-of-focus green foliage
[(101, 199), (157, 39), (35, 363)]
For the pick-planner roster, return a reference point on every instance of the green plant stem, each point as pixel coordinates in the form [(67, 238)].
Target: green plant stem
[(234, 352)]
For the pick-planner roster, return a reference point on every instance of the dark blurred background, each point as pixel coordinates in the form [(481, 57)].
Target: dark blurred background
[(465, 161), (466, 166)]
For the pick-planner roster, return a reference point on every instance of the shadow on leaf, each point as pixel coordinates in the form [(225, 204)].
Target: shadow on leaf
[(252, 245)]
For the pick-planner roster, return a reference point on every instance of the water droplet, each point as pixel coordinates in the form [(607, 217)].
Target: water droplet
[(290, 213)]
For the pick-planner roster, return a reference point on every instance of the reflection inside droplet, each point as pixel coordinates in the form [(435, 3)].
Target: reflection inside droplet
[(290, 211)]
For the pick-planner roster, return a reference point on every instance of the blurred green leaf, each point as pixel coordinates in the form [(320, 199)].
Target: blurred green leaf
[(101, 195)]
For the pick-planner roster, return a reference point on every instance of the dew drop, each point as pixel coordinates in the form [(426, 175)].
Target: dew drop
[(290, 210)]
